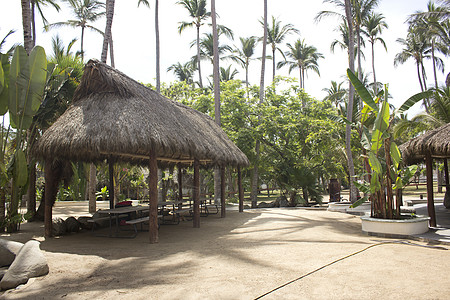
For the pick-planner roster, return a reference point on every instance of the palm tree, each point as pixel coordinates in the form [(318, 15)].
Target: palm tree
[(183, 72), (39, 5), (335, 93), (302, 57), (254, 178), (243, 55), (157, 43), (227, 74), (373, 26), (107, 37), (207, 49), (84, 11), (197, 11), (416, 48), (275, 36)]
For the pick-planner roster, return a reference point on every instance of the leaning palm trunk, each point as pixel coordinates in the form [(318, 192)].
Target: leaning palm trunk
[(348, 132), (198, 58), (107, 36)]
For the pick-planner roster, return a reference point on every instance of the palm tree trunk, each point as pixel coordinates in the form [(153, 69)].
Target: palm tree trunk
[(434, 64), (273, 64), (358, 45), (158, 72), (33, 21), (351, 59), (246, 79), (92, 188), (254, 180), (216, 83), (198, 58), (111, 52), (82, 42), (107, 36), (375, 87), (26, 23)]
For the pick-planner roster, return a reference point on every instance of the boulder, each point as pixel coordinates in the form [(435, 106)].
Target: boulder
[(72, 225), (30, 262), (265, 205), (3, 272), (84, 223), (8, 251), (58, 227), (284, 202)]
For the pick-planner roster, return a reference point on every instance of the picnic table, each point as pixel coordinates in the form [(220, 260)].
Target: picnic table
[(134, 215)]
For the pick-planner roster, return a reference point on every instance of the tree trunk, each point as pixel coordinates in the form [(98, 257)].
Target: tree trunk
[(358, 48), (273, 64), (26, 23), (348, 131), (440, 178), (2, 208), (33, 21), (434, 64), (153, 198), (198, 58), (82, 43), (254, 181), (92, 188), (31, 192), (111, 52), (158, 79), (375, 87), (107, 34)]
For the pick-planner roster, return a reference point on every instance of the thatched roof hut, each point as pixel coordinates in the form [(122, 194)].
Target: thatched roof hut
[(114, 116), (435, 143)]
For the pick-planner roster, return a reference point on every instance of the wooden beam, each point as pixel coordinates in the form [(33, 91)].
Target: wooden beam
[(222, 192), (196, 219), (48, 211), (180, 186), (111, 182), (153, 198), (241, 190), (141, 156), (430, 199)]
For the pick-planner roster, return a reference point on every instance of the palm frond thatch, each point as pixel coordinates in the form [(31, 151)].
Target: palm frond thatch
[(114, 116), (435, 142)]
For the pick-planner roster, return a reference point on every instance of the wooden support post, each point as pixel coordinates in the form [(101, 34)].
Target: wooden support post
[(241, 190), (153, 198), (447, 181), (430, 199), (222, 192), (49, 184), (111, 181), (180, 186), (196, 219)]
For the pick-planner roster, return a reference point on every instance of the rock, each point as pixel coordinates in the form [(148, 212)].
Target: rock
[(30, 262), (8, 251), (72, 225), (246, 206), (59, 227), (265, 205), (3, 272), (284, 202), (83, 221)]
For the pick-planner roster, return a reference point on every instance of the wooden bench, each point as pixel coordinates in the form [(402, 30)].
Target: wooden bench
[(141, 221), (94, 221)]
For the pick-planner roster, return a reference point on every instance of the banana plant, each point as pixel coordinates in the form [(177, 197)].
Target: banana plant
[(27, 79), (386, 172)]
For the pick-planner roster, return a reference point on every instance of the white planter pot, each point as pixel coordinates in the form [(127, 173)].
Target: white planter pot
[(403, 227)]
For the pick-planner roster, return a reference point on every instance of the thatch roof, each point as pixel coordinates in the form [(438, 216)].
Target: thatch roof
[(435, 142), (114, 116)]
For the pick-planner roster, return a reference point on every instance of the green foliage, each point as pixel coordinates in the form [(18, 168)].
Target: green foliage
[(103, 194)]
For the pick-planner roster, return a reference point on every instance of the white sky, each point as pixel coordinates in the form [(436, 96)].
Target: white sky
[(133, 34)]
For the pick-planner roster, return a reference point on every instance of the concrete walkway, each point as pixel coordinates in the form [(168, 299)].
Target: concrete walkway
[(441, 233)]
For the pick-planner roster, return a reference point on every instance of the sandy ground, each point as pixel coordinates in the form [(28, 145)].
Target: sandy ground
[(242, 256)]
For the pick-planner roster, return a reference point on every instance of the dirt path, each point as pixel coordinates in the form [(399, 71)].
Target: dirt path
[(242, 256)]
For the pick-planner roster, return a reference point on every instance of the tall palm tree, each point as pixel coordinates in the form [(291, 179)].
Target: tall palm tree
[(373, 26), (207, 49), (243, 55), (335, 93), (39, 4), (157, 43), (227, 74), (198, 12), (416, 48), (184, 72), (254, 178), (302, 57), (275, 36), (84, 11)]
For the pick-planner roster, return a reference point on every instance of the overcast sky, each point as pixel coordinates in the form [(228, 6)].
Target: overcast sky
[(134, 46)]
